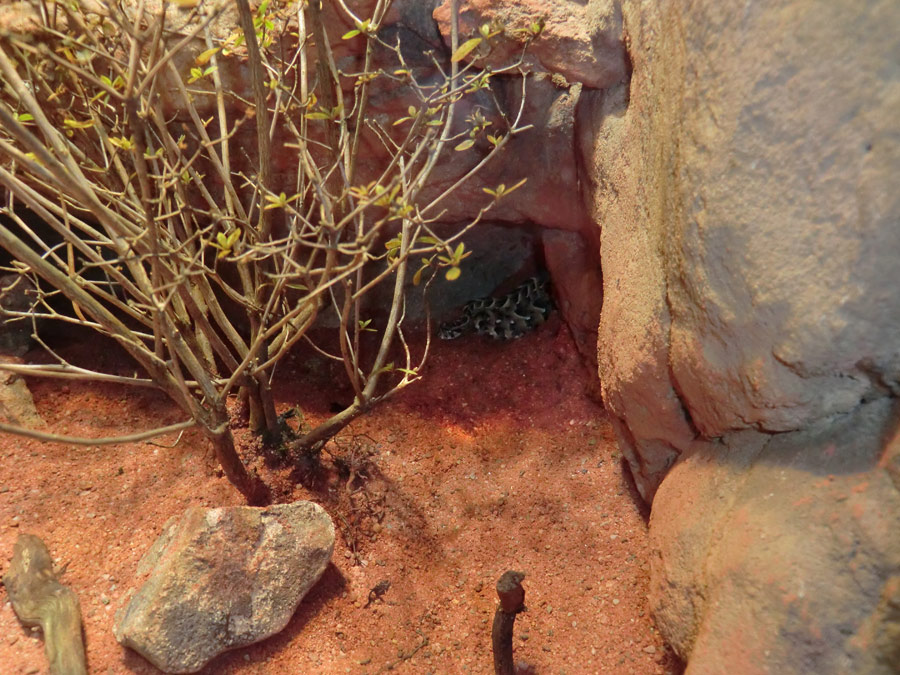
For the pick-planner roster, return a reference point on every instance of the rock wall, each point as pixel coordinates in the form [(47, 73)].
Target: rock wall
[(749, 341), (746, 193), (779, 552)]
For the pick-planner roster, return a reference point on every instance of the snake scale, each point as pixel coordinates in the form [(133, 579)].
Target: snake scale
[(507, 317)]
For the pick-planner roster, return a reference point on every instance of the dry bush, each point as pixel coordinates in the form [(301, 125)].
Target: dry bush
[(169, 236)]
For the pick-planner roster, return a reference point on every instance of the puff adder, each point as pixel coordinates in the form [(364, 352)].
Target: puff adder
[(508, 317)]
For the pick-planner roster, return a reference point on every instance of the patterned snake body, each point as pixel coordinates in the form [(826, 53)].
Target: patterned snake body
[(508, 317)]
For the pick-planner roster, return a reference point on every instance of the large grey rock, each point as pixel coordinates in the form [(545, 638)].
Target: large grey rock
[(624, 136), (748, 198), (746, 186), (218, 579), (780, 553), (783, 266)]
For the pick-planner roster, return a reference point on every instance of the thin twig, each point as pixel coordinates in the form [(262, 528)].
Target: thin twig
[(80, 440)]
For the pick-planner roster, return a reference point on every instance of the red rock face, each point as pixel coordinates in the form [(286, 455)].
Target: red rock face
[(581, 42)]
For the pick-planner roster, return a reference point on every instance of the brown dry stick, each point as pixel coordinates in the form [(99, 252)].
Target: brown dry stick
[(40, 600), (512, 601)]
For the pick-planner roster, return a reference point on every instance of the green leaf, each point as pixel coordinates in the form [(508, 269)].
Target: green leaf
[(225, 242), (465, 145), (452, 274), (276, 201), (122, 142), (74, 124), (351, 34), (465, 49), (25, 117), (204, 57), (516, 186)]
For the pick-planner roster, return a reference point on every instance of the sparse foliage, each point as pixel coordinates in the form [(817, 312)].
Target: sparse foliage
[(119, 129)]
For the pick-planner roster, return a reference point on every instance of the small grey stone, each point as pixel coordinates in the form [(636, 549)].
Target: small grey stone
[(223, 578)]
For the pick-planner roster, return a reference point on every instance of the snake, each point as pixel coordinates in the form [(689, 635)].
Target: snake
[(507, 317)]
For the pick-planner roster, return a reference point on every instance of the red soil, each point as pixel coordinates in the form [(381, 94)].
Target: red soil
[(498, 459)]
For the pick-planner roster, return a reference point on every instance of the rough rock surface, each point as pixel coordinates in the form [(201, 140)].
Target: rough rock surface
[(633, 349), (779, 552), (750, 233), (223, 578), (16, 402), (574, 266), (582, 41), (745, 182)]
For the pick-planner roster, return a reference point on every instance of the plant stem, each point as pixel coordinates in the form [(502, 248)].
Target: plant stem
[(254, 490)]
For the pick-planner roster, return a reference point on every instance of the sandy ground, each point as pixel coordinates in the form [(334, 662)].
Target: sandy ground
[(498, 459)]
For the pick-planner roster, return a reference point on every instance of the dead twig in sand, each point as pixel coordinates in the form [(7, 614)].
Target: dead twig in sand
[(512, 601), (40, 600)]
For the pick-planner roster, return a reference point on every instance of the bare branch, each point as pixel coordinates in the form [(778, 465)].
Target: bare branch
[(79, 440)]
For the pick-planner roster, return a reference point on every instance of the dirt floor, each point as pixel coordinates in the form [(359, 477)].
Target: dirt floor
[(498, 459)]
